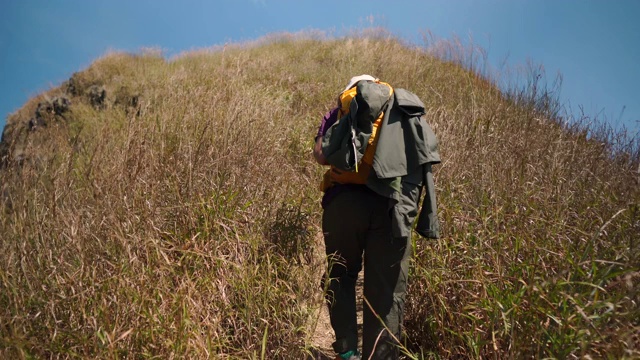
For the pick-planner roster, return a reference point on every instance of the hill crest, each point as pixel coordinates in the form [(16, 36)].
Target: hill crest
[(170, 208)]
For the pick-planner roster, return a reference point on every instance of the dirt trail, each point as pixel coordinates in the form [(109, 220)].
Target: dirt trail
[(322, 335)]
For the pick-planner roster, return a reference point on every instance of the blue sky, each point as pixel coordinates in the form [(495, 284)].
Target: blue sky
[(595, 45)]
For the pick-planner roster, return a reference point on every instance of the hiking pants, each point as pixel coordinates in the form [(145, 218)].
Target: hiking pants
[(356, 223)]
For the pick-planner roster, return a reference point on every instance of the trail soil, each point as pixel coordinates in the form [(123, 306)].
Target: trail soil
[(322, 335)]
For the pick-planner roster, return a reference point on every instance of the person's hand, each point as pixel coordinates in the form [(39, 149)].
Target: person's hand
[(317, 152)]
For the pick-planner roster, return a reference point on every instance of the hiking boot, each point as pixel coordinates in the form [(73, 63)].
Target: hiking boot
[(349, 355)]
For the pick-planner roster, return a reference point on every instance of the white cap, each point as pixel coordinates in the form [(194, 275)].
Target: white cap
[(354, 80)]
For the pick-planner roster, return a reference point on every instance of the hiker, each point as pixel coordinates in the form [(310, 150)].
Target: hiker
[(380, 132)]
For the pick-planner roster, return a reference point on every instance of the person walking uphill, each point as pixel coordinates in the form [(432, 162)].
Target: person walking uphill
[(380, 150)]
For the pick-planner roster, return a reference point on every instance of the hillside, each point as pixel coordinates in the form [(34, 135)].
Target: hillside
[(156, 208)]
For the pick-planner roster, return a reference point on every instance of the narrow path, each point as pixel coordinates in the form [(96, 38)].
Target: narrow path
[(322, 335)]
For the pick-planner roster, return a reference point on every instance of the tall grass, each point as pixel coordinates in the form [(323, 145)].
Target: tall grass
[(185, 224)]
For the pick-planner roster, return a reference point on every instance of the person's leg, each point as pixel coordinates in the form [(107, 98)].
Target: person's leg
[(386, 269), (344, 223), (385, 285)]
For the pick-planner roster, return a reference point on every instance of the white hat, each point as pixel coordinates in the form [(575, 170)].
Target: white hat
[(354, 80)]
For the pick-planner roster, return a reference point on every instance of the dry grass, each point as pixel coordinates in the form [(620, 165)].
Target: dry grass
[(181, 224)]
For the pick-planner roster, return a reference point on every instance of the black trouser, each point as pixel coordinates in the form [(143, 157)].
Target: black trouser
[(358, 222)]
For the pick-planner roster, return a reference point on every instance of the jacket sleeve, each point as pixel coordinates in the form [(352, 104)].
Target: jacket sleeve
[(428, 224)]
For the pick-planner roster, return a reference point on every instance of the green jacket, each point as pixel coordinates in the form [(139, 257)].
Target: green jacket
[(406, 150)]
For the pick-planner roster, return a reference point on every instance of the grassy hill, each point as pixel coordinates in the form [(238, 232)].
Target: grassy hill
[(169, 209)]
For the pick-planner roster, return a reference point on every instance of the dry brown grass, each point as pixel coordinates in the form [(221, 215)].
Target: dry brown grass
[(182, 226)]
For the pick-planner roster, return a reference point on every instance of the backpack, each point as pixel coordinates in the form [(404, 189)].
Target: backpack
[(362, 110)]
